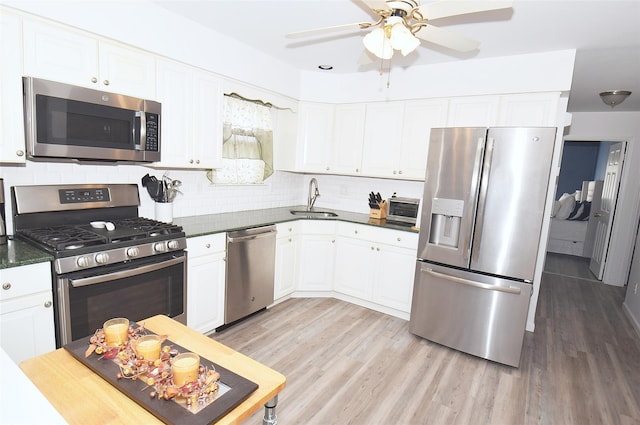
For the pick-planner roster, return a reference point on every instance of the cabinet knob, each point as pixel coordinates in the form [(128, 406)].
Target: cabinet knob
[(6, 286), (377, 249), (395, 172), (105, 82), (357, 170), (291, 229), (400, 172), (197, 161), (290, 239), (372, 248), (48, 304), (20, 153), (355, 231), (399, 239), (94, 80), (191, 161), (327, 169), (208, 245)]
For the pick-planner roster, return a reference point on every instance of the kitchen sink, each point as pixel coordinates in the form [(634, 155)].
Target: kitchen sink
[(315, 214)]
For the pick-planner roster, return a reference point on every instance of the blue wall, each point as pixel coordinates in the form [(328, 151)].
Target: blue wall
[(579, 162)]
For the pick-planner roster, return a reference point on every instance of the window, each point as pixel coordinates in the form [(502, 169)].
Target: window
[(247, 143)]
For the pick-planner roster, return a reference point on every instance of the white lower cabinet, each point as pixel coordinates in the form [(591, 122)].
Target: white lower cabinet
[(316, 252), (376, 265), (206, 281), (286, 259), (26, 311)]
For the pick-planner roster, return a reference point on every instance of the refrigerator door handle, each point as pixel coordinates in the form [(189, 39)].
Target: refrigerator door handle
[(509, 290), (486, 172)]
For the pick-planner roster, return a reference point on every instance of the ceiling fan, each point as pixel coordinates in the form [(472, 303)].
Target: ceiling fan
[(402, 24)]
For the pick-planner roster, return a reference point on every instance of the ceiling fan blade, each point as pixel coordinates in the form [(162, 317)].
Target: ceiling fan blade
[(376, 4), (324, 30), (445, 8), (447, 38)]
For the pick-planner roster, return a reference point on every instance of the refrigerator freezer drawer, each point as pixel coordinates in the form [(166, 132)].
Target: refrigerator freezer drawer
[(481, 315)]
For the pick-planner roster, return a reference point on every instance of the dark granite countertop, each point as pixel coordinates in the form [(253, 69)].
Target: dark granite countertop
[(18, 253), (225, 222)]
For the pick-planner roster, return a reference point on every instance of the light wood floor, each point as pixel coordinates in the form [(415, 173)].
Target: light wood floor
[(349, 365)]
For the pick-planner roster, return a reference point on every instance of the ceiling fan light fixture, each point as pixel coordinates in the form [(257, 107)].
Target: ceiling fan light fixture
[(377, 43), (402, 39), (614, 97)]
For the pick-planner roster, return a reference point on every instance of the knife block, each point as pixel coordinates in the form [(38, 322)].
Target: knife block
[(380, 213)]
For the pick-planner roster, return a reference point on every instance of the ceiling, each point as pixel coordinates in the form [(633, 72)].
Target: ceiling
[(605, 34)]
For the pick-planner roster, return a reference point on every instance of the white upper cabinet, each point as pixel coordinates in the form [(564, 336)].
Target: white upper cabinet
[(529, 109), (419, 118), (12, 146), (348, 139), (191, 123), (474, 111), (382, 139), (55, 53), (315, 131)]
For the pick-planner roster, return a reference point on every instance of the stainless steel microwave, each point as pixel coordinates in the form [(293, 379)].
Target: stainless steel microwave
[(77, 123), (403, 210)]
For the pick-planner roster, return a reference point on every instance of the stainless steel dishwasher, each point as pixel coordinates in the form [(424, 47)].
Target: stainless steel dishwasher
[(251, 255)]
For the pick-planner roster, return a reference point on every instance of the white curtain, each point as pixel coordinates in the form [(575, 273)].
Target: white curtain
[(247, 143)]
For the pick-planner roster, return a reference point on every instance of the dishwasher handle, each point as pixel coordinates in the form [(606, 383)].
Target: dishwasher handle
[(242, 236)]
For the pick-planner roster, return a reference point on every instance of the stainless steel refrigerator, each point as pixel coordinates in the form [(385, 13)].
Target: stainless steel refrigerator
[(483, 204)]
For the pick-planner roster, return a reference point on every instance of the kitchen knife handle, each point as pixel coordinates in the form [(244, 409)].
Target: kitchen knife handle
[(510, 289)]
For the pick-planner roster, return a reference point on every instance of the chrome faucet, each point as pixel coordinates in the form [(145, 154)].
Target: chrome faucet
[(313, 194)]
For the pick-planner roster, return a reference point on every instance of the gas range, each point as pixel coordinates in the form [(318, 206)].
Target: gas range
[(87, 226)]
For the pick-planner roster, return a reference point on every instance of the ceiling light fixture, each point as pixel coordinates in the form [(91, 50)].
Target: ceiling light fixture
[(394, 35), (614, 97)]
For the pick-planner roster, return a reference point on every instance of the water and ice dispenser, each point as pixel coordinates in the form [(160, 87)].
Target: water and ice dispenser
[(446, 215)]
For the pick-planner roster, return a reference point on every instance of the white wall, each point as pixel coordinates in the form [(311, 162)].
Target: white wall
[(617, 126)]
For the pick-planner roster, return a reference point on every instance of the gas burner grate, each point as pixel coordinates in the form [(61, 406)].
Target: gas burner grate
[(61, 238)]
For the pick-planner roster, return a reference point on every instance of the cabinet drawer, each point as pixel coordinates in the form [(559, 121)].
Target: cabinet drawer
[(289, 228), (379, 235), (205, 245), (562, 246), (25, 280)]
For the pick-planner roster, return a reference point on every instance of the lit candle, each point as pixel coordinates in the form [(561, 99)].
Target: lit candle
[(116, 331), (148, 347), (185, 368)]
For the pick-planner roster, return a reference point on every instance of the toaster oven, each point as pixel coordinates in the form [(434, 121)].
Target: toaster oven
[(403, 210)]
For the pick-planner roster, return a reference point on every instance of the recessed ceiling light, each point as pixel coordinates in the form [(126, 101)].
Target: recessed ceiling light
[(325, 67)]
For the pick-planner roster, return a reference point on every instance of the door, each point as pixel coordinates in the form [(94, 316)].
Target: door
[(450, 195), (604, 216), (513, 191)]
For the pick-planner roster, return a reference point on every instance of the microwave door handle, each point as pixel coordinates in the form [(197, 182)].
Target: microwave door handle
[(142, 137), (76, 283)]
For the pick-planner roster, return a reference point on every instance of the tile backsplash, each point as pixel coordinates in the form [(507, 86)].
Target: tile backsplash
[(200, 197)]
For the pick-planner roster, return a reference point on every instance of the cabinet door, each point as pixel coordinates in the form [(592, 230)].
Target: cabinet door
[(419, 118), (12, 144), (174, 89), (57, 54), (314, 137), (529, 110), (316, 263), (393, 285), (286, 259), (26, 325), (207, 124), (127, 71), (191, 127), (355, 268), (473, 111), (348, 139), (382, 139), (205, 292)]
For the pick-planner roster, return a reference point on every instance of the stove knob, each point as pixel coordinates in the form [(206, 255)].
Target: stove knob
[(83, 261), (133, 252), (173, 244), (102, 258), (160, 247)]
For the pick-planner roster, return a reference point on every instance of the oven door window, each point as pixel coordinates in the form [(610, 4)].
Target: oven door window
[(124, 293), (71, 122)]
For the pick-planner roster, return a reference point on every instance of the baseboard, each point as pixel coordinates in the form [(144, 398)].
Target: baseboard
[(634, 321)]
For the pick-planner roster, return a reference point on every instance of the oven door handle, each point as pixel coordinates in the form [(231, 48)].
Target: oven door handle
[(124, 273)]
